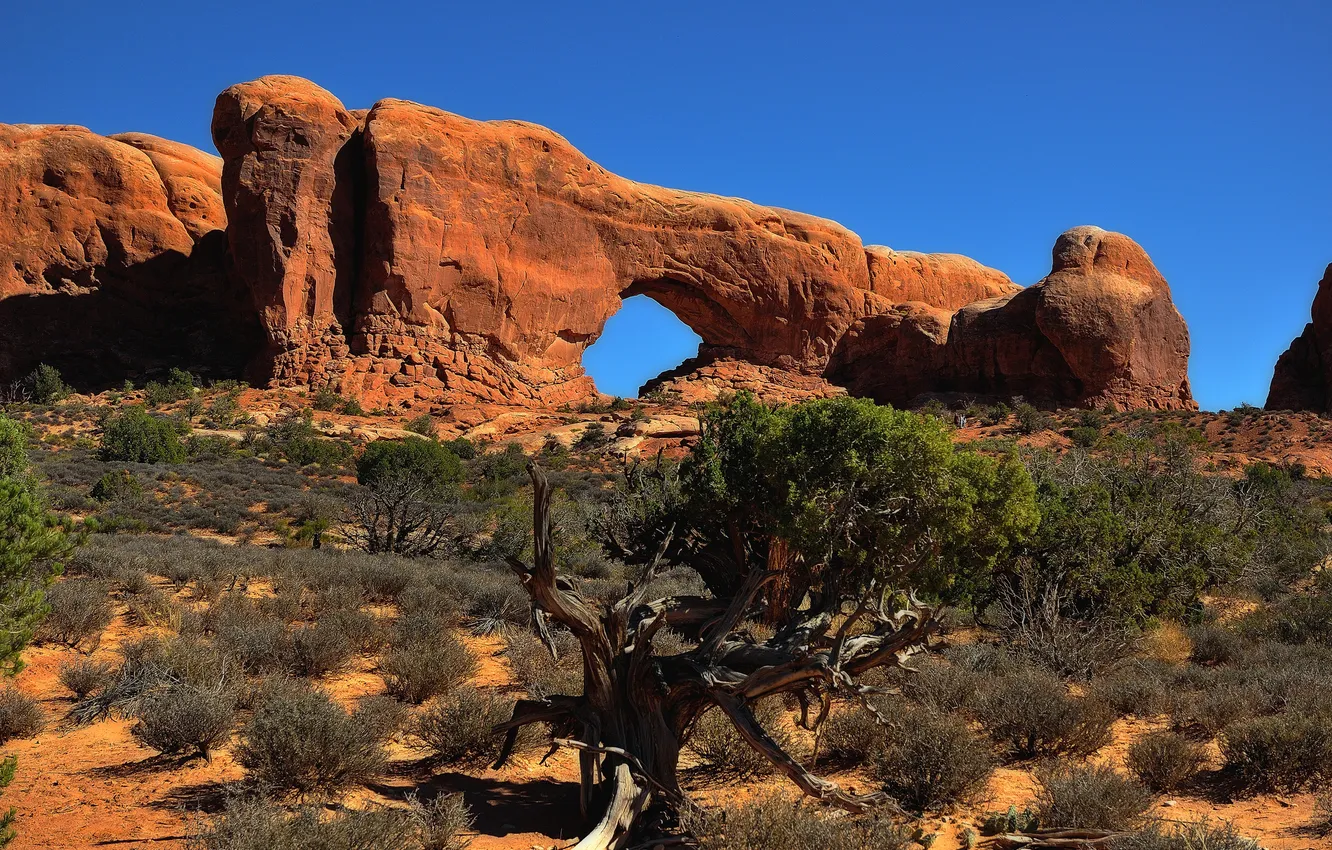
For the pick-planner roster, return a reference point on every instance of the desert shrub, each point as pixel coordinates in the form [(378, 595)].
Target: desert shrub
[(1135, 688), (423, 425), (299, 739), (326, 399), (1187, 835), (1030, 419), (1281, 753), (20, 715), (136, 436), (83, 676), (1217, 707), (256, 824), (852, 735), (320, 649), (364, 630), (932, 759), (45, 385), (1031, 714), (295, 439), (417, 670), (719, 745), (117, 485), (1214, 645), (455, 728), (496, 608), (150, 608), (79, 609), (260, 643), (186, 718), (941, 685), (539, 673), (1322, 818), (381, 715), (592, 437), (1084, 436), (775, 823), (150, 665), (1073, 796), (441, 822), (1164, 761)]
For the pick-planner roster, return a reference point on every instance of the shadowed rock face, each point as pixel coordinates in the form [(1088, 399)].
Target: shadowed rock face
[(1303, 373), (403, 253), (112, 258)]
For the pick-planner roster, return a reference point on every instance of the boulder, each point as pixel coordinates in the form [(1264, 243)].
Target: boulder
[(1100, 328), (1303, 373)]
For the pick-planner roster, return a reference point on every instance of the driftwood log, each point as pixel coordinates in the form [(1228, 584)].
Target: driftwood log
[(637, 708)]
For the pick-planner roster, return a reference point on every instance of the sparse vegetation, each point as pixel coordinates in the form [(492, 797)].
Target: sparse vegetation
[(1164, 761), (20, 715), (1073, 796), (299, 739)]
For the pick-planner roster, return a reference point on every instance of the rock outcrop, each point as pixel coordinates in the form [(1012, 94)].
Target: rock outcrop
[(1100, 328), (112, 258), (1303, 375), (405, 254)]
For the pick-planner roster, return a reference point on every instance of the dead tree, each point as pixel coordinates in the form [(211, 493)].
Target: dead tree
[(637, 708)]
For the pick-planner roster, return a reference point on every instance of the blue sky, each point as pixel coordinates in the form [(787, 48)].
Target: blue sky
[(1198, 128)]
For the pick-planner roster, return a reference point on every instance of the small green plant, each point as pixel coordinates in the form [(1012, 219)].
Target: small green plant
[(1084, 437), (46, 385), (136, 436), (1030, 419), (423, 425), (1012, 820), (327, 399), (593, 437), (117, 485)]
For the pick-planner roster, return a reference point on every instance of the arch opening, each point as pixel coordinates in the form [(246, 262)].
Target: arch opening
[(641, 340)]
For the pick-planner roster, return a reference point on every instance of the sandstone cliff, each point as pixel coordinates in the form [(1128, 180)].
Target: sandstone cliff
[(1303, 373), (112, 257), (405, 254)]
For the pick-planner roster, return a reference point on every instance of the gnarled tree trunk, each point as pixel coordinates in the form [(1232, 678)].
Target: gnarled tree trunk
[(636, 708)]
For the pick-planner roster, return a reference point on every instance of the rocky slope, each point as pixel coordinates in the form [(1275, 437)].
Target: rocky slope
[(1304, 372), (404, 254)]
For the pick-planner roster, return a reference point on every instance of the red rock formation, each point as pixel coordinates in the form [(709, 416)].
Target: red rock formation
[(1101, 327), (493, 252), (1303, 373), (112, 257), (291, 162), (404, 253), (948, 281)]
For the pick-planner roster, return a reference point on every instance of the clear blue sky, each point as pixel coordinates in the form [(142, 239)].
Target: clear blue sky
[(1201, 129)]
